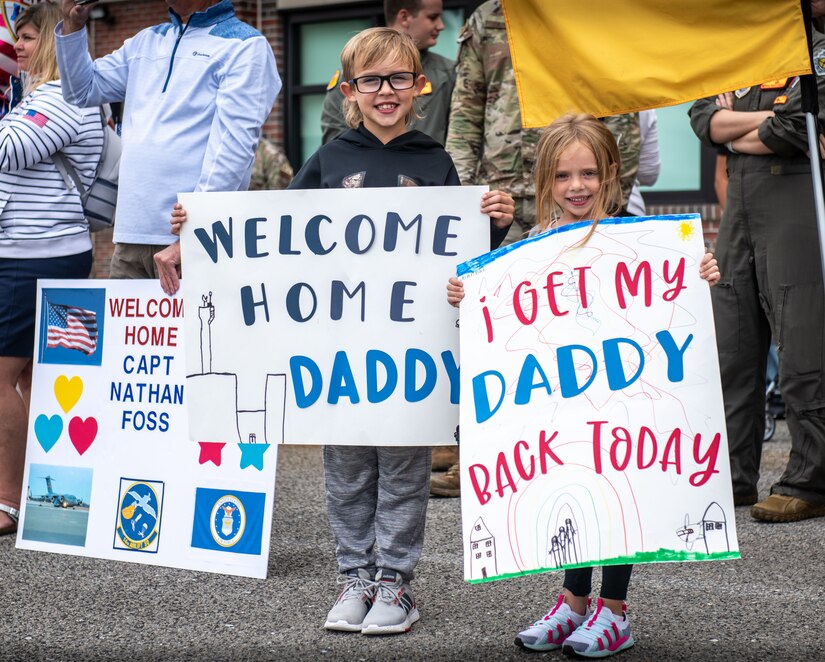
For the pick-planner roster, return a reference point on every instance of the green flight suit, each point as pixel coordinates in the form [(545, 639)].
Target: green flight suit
[(771, 286)]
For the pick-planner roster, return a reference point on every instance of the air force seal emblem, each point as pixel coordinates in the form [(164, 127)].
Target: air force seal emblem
[(228, 520), (139, 515)]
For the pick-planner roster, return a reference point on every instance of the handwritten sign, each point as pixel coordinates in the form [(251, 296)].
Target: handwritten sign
[(592, 425), (320, 316), (110, 470)]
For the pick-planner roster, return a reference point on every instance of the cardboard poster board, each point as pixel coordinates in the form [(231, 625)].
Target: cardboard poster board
[(592, 424), (322, 315), (110, 471)]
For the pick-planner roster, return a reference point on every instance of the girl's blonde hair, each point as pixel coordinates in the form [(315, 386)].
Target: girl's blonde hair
[(44, 17), (370, 47), (562, 134)]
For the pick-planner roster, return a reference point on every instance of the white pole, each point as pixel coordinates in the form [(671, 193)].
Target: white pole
[(816, 173)]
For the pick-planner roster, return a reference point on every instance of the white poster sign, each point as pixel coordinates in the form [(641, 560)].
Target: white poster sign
[(319, 317), (592, 425), (110, 470)]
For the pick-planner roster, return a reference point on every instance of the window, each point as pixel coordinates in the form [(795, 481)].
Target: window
[(687, 166), (314, 39)]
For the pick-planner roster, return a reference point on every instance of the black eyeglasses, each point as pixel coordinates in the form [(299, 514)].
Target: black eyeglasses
[(402, 80)]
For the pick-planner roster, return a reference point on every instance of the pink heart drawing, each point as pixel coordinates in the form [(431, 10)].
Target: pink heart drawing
[(82, 433)]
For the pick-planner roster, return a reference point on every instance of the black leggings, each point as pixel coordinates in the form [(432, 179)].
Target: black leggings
[(615, 580)]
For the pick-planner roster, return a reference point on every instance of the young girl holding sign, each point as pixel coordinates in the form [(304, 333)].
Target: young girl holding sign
[(576, 174)]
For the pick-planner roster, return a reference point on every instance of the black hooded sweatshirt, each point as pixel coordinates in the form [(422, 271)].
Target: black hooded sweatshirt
[(357, 159)]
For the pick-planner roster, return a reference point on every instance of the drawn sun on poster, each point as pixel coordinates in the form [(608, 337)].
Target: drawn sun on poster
[(685, 231)]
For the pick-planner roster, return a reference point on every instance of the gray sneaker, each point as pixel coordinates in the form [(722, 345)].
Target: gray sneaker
[(353, 602), (393, 610)]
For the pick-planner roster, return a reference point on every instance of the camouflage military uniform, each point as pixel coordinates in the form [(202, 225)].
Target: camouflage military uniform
[(433, 105), (485, 137), (626, 130), (271, 170)]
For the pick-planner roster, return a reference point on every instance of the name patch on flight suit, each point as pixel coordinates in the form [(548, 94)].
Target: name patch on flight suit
[(783, 98), (777, 84)]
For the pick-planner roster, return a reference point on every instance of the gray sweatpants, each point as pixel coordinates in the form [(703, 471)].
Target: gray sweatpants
[(377, 502)]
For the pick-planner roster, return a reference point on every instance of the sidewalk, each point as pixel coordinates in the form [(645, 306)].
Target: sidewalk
[(57, 607)]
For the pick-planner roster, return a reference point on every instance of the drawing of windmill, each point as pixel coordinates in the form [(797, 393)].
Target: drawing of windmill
[(483, 560)]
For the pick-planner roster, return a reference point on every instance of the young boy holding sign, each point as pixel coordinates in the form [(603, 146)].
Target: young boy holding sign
[(377, 496), (577, 179)]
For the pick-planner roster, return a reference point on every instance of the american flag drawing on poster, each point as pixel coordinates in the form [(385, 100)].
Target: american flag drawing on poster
[(72, 328)]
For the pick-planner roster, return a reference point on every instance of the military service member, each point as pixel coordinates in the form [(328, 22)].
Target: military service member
[(485, 137), (271, 170), (768, 252), (421, 19)]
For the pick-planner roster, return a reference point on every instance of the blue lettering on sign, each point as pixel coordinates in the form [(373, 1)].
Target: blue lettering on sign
[(419, 381), (489, 387)]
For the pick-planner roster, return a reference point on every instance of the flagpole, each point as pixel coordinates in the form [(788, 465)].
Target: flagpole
[(810, 106), (44, 328), (816, 174)]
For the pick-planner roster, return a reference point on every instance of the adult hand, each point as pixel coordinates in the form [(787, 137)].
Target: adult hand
[(455, 291), (75, 16), (499, 206), (168, 263), (709, 269), (725, 100)]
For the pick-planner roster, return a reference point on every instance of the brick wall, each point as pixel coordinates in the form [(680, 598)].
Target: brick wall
[(127, 18), (710, 217)]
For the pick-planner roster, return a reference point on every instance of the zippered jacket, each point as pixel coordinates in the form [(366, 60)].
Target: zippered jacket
[(196, 96), (40, 217)]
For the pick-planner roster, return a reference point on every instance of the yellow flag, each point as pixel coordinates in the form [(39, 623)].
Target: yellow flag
[(607, 57)]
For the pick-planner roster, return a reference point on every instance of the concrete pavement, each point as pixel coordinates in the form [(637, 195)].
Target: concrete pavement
[(762, 607)]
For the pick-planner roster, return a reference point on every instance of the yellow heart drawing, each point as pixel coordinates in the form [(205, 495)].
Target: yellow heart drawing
[(67, 391)]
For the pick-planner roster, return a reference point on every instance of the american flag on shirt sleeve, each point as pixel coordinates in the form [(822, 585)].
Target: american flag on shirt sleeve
[(38, 118), (72, 328)]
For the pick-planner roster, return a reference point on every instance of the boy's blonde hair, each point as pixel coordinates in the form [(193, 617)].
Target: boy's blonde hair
[(562, 134), (370, 47), (44, 17)]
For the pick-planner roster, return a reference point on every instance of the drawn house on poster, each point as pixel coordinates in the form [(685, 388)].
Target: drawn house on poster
[(483, 561)]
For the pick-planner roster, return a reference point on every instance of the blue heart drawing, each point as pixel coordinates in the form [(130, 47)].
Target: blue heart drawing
[(48, 430)]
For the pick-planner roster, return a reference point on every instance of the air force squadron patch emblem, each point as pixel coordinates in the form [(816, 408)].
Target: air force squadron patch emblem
[(228, 520), (140, 504), (819, 62)]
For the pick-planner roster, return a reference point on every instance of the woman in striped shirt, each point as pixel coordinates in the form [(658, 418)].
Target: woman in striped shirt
[(43, 231)]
